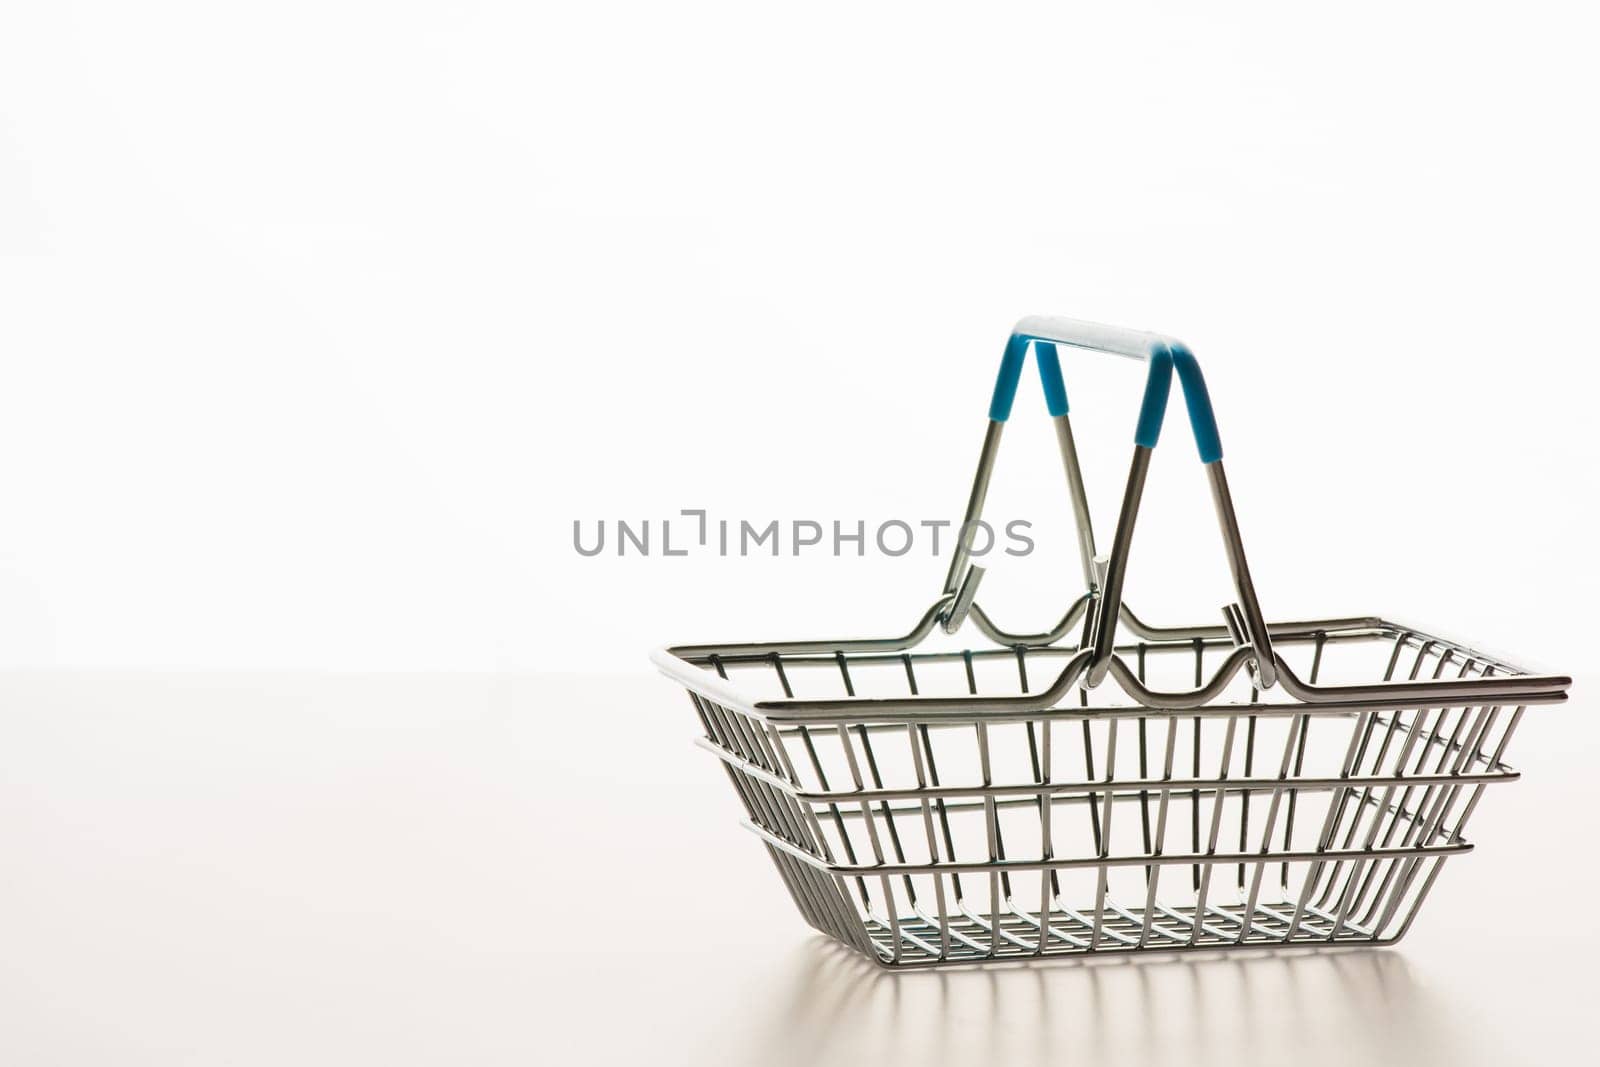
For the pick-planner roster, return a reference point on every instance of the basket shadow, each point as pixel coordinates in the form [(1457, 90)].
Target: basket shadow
[(1306, 1007)]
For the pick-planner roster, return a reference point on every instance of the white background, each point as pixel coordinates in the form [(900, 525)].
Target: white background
[(321, 323)]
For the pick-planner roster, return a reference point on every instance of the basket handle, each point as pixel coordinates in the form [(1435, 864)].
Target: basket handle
[(1105, 577), (1043, 333), (1163, 354)]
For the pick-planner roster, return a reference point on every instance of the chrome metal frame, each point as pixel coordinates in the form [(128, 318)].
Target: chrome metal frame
[(1358, 822)]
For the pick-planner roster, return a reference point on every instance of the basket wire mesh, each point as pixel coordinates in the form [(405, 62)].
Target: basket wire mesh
[(1238, 785)]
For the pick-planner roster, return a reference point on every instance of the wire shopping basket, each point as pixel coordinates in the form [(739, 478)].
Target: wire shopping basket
[(1237, 785)]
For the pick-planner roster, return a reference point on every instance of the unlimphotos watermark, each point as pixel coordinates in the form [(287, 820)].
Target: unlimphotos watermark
[(693, 532)]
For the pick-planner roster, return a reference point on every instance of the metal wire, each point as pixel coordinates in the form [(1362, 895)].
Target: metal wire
[(951, 839), (919, 803)]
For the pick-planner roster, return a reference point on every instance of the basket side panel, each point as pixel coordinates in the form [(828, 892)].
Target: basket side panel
[(763, 778)]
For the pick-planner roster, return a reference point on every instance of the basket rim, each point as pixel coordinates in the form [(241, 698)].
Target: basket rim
[(688, 665)]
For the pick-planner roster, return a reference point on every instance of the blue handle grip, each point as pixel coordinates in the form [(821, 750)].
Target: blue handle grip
[(1163, 355), (1157, 386), (1005, 386)]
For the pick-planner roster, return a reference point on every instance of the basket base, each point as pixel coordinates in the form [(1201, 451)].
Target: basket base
[(969, 938)]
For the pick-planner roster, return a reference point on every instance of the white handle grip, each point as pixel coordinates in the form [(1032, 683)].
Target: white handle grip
[(1097, 337)]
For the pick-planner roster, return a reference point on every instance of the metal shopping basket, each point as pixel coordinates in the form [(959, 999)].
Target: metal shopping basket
[(1236, 785)]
